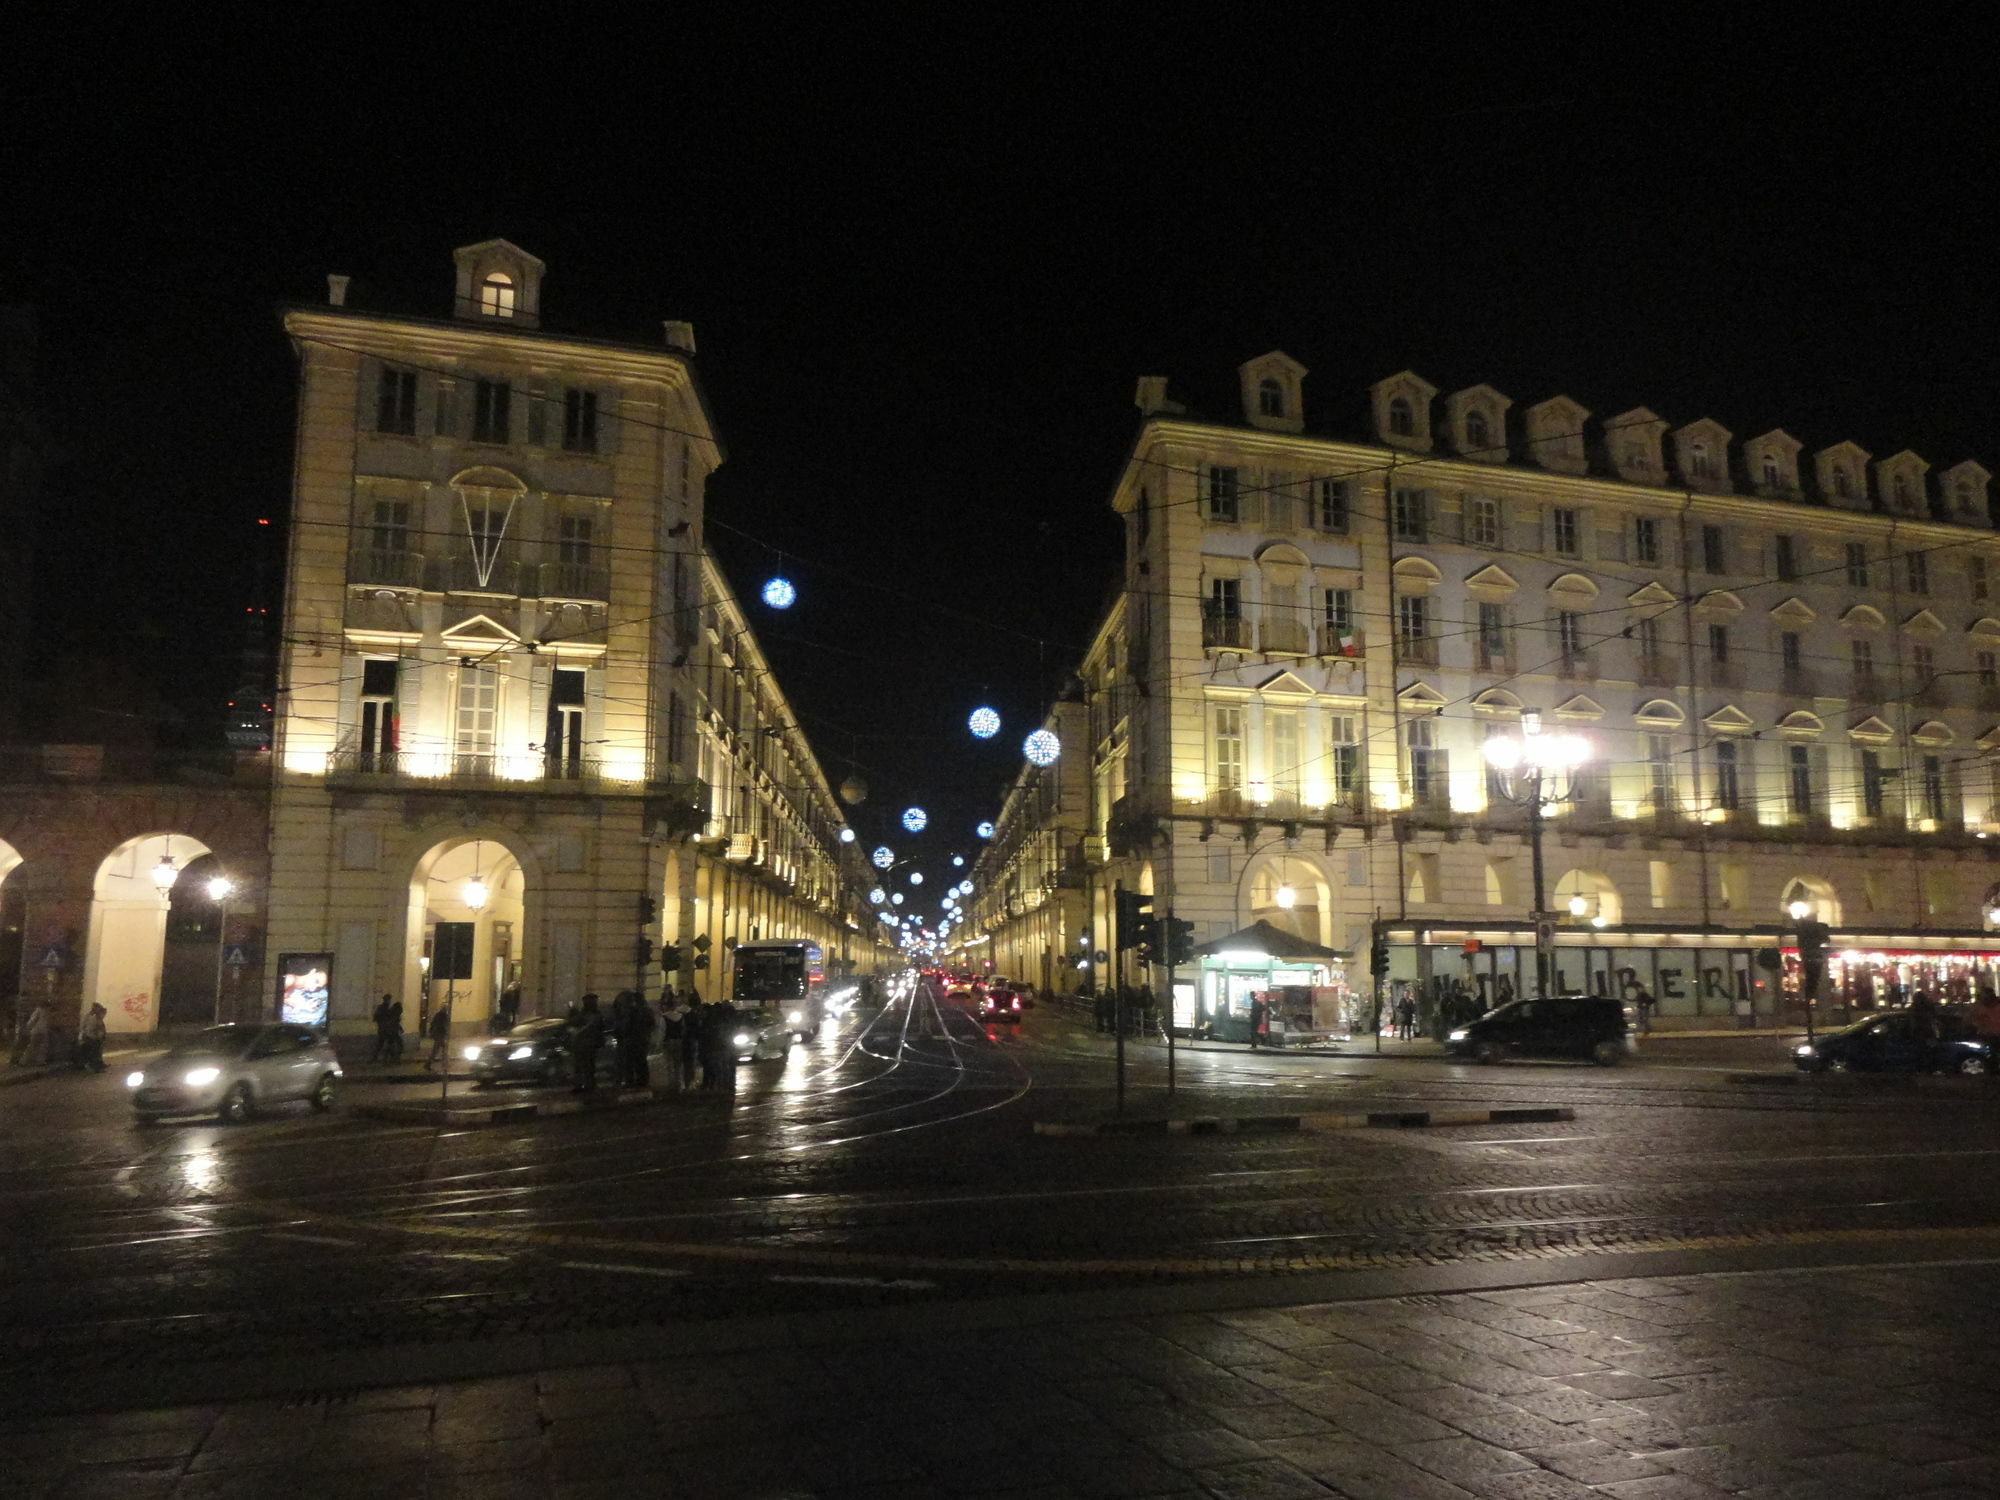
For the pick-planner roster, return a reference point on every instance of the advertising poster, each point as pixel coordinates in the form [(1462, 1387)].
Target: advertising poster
[(305, 980)]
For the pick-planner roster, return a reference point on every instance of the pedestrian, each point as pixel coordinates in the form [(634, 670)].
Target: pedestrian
[(1406, 1018), (1643, 1002), (1985, 1020), (387, 1029), (586, 1039), (395, 1030), (1927, 1027), (635, 1042), (31, 1036), (694, 1020), (718, 1053), (508, 1011), (1100, 1008), (673, 1031), (439, 1031), (1260, 1018), (90, 1040)]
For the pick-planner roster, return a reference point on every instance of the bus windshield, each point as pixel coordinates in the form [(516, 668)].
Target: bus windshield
[(764, 975)]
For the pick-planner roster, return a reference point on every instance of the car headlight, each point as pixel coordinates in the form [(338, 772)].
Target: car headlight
[(744, 1039), (795, 1016), (472, 1054), (134, 1080), (196, 1078), (520, 1054), (1805, 1049), (1457, 1036)]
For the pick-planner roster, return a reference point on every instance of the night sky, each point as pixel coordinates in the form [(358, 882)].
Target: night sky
[(925, 268)]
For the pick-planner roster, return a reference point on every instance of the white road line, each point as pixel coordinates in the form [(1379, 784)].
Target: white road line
[(599, 1265), (313, 1239), (857, 1281)]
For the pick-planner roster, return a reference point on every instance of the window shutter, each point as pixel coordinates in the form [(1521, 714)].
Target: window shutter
[(1250, 507), (1280, 504), (1527, 528), (541, 421), (609, 433), (1611, 544), (448, 392)]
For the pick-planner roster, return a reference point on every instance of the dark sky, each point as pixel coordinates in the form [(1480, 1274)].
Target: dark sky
[(927, 258)]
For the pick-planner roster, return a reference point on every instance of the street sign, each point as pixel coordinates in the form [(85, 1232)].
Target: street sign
[(1545, 935), (235, 957), (55, 956)]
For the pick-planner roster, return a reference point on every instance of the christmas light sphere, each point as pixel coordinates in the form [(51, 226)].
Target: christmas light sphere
[(780, 594), (984, 723), (965, 887), (984, 830), (1042, 747), (847, 835), (853, 791), (916, 819), (916, 877), (883, 858), (878, 896), (958, 861), (897, 899)]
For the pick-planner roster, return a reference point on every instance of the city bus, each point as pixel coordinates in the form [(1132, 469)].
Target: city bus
[(784, 983)]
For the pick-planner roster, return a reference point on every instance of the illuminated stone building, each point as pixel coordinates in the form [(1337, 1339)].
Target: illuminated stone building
[(518, 706), (1786, 665)]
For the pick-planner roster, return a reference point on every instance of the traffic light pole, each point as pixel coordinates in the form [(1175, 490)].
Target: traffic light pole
[(1171, 943), (1118, 937)]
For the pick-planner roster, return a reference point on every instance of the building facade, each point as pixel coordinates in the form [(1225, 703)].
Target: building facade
[(523, 731), (1784, 666)]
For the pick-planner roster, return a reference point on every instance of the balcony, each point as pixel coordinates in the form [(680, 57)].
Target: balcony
[(1577, 666), (519, 772), (1283, 637), (574, 580), (462, 575), (1225, 633), (1487, 658), (386, 568), (1417, 650)]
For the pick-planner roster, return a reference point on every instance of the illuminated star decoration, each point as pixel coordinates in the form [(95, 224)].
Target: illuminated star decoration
[(984, 723), (984, 830), (915, 819), (780, 594), (883, 858), (1042, 747)]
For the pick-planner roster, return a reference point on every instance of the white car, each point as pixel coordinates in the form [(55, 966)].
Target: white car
[(233, 1071)]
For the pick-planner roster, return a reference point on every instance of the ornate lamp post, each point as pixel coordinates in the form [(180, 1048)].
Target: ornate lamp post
[(1537, 770)]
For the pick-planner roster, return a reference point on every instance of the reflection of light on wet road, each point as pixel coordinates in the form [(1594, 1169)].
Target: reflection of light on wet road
[(201, 1171)]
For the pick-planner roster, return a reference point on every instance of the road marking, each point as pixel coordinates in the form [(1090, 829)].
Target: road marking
[(858, 1281), (600, 1265), (312, 1239)]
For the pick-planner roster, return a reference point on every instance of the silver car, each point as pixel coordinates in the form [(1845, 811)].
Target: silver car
[(233, 1071)]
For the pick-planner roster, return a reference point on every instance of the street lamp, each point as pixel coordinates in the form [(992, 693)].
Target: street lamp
[(165, 873), (1537, 769), (219, 888)]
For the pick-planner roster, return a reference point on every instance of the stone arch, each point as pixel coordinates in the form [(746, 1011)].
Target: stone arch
[(1312, 914), (125, 946), (1597, 894), (1817, 892), (506, 947)]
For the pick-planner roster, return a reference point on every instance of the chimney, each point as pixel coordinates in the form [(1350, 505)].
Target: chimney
[(336, 290), (1151, 396), (680, 336)]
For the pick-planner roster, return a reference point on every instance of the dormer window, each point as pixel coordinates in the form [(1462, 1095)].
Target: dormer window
[(1270, 398), (496, 295), (1477, 434), (1635, 458), (1402, 420)]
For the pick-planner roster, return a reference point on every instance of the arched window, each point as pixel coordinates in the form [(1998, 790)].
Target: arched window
[(1770, 471), (1402, 420), (1698, 461), (1842, 485), (496, 295), (1270, 398), (1477, 434)]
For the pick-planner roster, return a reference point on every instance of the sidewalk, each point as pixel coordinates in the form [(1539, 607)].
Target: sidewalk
[(1779, 1385)]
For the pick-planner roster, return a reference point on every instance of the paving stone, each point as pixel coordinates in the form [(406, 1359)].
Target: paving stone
[(1616, 1386), (1562, 1403), (1362, 1471), (1364, 1415), (1488, 1418), (1461, 1459), (1282, 1420), (1766, 1439), (1914, 1446), (1533, 1484), (1264, 1479), (1863, 1473), (1593, 1462), (1204, 1446), (1663, 1487), (1727, 1468)]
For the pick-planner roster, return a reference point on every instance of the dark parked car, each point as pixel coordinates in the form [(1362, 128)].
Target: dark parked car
[(1583, 1026), (536, 1051), (233, 1071), (1000, 1004), (1898, 1043)]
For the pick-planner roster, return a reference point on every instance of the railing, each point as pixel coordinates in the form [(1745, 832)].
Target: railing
[(1286, 637), (1577, 666), (1491, 659), (445, 767), (463, 574), (568, 580), (1417, 650), (1658, 671), (1225, 632), (391, 568)]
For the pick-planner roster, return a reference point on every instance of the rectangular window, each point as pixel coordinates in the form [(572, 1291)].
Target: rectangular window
[(492, 404), (396, 402), (1562, 531), (1791, 653), (1976, 580), (1494, 637), (1221, 493), (1728, 790), (389, 526), (1857, 565), (1872, 780), (1430, 785), (1934, 788), (1225, 598), (1284, 752), (1330, 508), (1718, 644), (1987, 665), (1409, 515), (562, 742), (1660, 772), (477, 716), (1343, 757), (1659, 883), (1413, 626), (1569, 632), (1646, 540), (573, 540), (1482, 522), (1714, 550), (1799, 780), (1337, 637), (1917, 572), (378, 715), (1861, 661), (580, 421), (1923, 664), (1785, 557), (1222, 622), (1227, 739), (1647, 633)]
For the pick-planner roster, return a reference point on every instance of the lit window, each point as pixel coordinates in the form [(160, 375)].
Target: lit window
[(496, 295)]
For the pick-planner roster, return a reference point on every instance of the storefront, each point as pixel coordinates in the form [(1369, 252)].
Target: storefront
[(1304, 984)]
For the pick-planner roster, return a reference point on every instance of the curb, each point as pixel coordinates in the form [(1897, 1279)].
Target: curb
[(507, 1113), (1395, 1119)]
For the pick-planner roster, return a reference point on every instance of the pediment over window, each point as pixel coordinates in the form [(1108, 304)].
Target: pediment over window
[(1496, 701), (1283, 563), (1652, 598), (1580, 708), (1555, 435), (1986, 627), (1801, 725), (479, 630), (1660, 713), (1863, 617), (1574, 586), (1287, 683), (1933, 734), (1633, 439), (1871, 731), (1271, 384), (1923, 622), (1493, 581), (1421, 696), (1842, 475), (1989, 740), (1729, 719), (1719, 602), (1414, 574), (1794, 611)]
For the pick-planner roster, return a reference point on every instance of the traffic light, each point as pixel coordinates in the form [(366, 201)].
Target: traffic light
[(642, 950), (701, 961), (670, 958), (1813, 940), (1179, 941), (1146, 940), (1132, 907), (1378, 956), (649, 909)]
